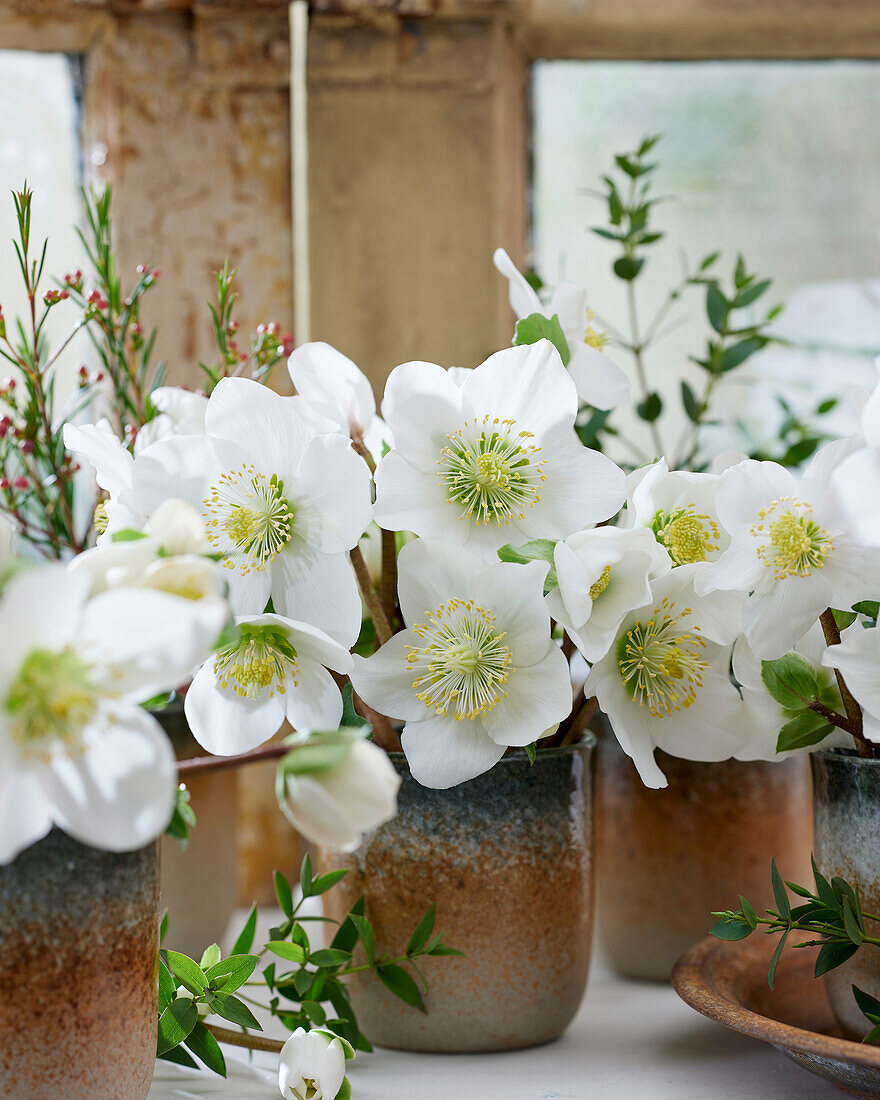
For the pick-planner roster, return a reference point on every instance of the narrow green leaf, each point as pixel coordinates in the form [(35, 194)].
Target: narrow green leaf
[(187, 971), (730, 929), (422, 932), (851, 924), (368, 939), (315, 1012), (873, 1036), (833, 955), (771, 973), (536, 550), (779, 891), (167, 986), (716, 307), (803, 731), (690, 403), (226, 976), (441, 950), (206, 1048), (175, 1024), (179, 1056), (305, 876), (292, 952), (401, 984), (844, 618), (325, 882), (347, 934), (751, 294), (735, 355), (284, 893), (868, 1005), (233, 1010), (344, 1090), (532, 752), (748, 911), (210, 956), (330, 956), (245, 939)]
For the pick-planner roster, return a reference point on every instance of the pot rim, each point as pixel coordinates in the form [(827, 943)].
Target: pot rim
[(587, 741), (847, 754)]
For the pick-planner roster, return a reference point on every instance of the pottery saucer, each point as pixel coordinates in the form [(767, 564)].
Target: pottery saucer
[(728, 982)]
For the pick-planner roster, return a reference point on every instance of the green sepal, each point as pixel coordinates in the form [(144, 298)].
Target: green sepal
[(535, 327)]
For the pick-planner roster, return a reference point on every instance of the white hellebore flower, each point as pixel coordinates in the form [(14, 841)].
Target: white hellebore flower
[(679, 508), (283, 499), (600, 382), (475, 671), (857, 479), (180, 412), (99, 445), (602, 575), (858, 659), (492, 460), (276, 669), (336, 807), (790, 548), (312, 1065), (665, 682), (76, 749)]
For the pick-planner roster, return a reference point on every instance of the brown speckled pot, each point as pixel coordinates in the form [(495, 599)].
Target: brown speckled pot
[(667, 858), (507, 859), (199, 883), (78, 943), (847, 807)]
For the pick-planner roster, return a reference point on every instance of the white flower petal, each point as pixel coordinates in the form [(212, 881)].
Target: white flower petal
[(333, 487), (25, 811), (268, 427), (41, 608), (100, 446), (223, 722), (422, 406), (583, 487), (523, 299), (326, 377), (431, 572), (538, 698), (776, 620), (598, 379), (313, 704), (320, 589), (409, 499), (385, 682), (442, 753)]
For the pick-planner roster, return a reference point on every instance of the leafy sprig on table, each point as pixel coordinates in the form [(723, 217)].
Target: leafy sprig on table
[(305, 985), (832, 916)]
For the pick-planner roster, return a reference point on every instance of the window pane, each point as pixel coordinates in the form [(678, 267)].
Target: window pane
[(778, 160)]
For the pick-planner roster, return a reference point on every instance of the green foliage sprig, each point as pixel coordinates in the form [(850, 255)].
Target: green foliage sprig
[(302, 986)]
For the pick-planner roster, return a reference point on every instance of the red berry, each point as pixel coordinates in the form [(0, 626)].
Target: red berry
[(26, 446), (21, 482), (4, 482)]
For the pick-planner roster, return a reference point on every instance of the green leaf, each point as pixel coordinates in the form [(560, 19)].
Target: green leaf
[(851, 924), (187, 972), (228, 975), (320, 754), (284, 893), (873, 1035), (779, 891), (210, 957), (292, 952), (536, 550), (330, 956), (440, 950), (871, 608), (368, 939), (737, 353), (716, 307), (823, 889), (324, 883), (305, 876), (206, 1048), (347, 934), (748, 911), (751, 294), (709, 260), (167, 986), (728, 928), (175, 1024), (826, 406), (868, 1005), (401, 984), (344, 1090), (833, 955), (233, 1010), (127, 534), (692, 406), (535, 327), (803, 731), (790, 680), (179, 1056), (350, 717), (531, 752), (422, 932), (628, 267), (843, 618), (771, 973), (650, 408), (245, 939)]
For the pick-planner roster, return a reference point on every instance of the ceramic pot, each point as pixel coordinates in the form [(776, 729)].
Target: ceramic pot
[(78, 944), (847, 808), (507, 859), (667, 858), (199, 883)]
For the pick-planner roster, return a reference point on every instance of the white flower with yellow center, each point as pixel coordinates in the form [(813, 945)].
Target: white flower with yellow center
[(76, 749), (283, 498), (665, 681), (791, 549), (602, 575), (599, 381), (857, 479), (311, 1065), (475, 671), (178, 412), (493, 459), (858, 659), (275, 670), (678, 507)]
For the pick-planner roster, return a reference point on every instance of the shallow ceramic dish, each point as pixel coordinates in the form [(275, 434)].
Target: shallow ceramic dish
[(728, 982)]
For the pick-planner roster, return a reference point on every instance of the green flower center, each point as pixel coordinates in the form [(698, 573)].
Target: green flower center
[(248, 518), (661, 663), (792, 543), (51, 700), (493, 476), (463, 664), (601, 584), (686, 535), (262, 659), (308, 1091)]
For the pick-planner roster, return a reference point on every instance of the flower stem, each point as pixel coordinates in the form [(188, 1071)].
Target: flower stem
[(388, 582), (580, 721), (200, 765), (371, 598), (244, 1039), (853, 710)]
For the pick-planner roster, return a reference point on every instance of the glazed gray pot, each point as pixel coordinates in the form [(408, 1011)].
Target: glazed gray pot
[(847, 808), (78, 954), (199, 883), (507, 859), (668, 858)]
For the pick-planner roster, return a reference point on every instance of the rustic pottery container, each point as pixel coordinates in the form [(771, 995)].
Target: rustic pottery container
[(78, 944), (507, 859), (847, 813), (199, 883), (667, 858)]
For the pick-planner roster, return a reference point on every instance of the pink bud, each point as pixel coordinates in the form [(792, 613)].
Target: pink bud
[(26, 446), (21, 482), (4, 482)]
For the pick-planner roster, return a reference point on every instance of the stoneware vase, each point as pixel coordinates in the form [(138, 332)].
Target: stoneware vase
[(847, 808), (199, 883), (667, 858), (78, 943), (507, 859)]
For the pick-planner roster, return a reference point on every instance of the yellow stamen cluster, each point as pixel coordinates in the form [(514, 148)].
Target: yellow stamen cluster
[(792, 543), (491, 471), (661, 662), (601, 584), (51, 700), (463, 664), (687, 535), (247, 518), (592, 336), (263, 658)]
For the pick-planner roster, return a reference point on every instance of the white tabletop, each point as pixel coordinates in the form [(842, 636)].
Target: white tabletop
[(629, 1041)]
